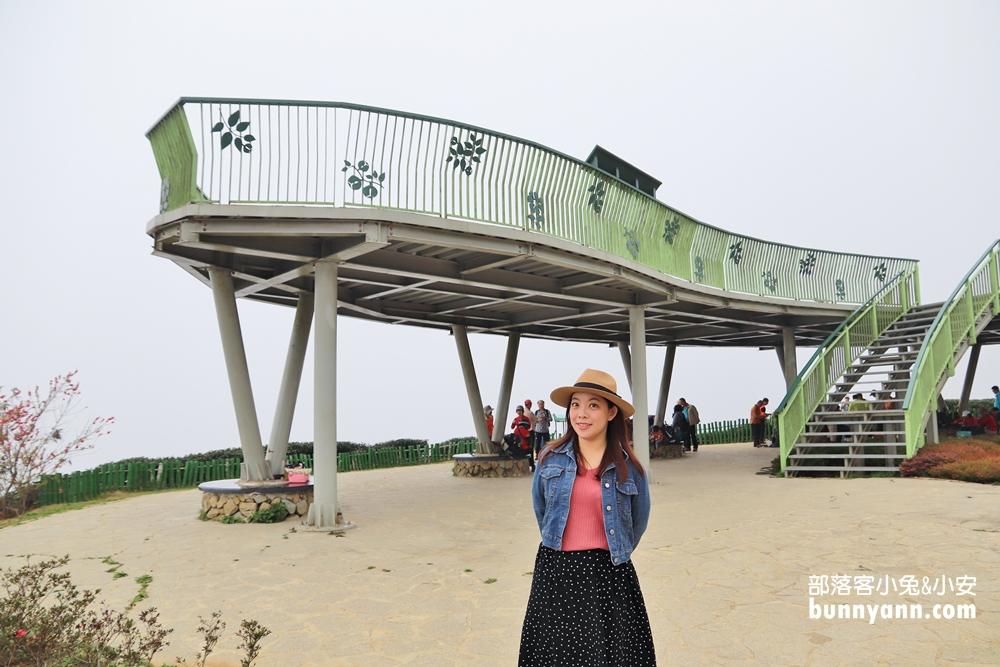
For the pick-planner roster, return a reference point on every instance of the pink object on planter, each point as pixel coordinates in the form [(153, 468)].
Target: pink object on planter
[(298, 478)]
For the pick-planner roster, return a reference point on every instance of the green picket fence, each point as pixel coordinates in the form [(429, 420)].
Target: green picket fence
[(152, 475), (717, 433)]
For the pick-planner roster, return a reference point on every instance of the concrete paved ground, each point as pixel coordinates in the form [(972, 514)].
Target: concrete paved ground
[(724, 567)]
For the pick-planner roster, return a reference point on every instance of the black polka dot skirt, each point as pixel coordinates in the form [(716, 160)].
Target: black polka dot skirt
[(585, 611)]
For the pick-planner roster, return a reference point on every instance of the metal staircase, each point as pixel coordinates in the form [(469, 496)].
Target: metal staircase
[(898, 357), (866, 435)]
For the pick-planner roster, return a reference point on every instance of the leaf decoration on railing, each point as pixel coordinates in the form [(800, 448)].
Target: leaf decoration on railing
[(164, 194), (770, 281), (632, 243), (880, 272), (536, 209), (464, 154), (841, 289), (670, 228), (736, 252), (699, 269), (234, 133), (369, 184), (596, 200), (807, 264)]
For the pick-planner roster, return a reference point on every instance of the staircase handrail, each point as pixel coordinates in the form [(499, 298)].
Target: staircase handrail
[(866, 324), (334, 154), (977, 291)]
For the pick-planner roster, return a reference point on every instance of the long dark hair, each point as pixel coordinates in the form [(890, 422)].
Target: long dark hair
[(616, 452)]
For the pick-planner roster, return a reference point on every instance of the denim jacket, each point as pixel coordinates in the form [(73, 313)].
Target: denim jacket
[(625, 504)]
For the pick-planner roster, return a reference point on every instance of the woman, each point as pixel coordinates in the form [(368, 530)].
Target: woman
[(591, 499)]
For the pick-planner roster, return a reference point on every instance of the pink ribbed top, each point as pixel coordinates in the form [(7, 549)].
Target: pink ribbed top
[(585, 523)]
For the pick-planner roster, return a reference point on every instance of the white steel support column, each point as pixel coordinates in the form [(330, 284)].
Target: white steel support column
[(626, 362), (325, 510), (668, 372), (506, 383), (931, 433), (790, 365), (970, 376), (640, 424), (472, 389), (780, 351), (253, 467), (277, 444)]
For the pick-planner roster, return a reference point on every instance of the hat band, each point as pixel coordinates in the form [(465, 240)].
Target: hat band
[(592, 385)]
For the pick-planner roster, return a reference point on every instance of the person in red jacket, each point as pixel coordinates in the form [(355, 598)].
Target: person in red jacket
[(968, 420), (989, 421)]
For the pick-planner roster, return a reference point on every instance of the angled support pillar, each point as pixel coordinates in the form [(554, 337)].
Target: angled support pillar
[(253, 467), (626, 361), (640, 423), (932, 428), (506, 383), (472, 389), (780, 351), (284, 412), (789, 363), (668, 372), (325, 512), (970, 376)]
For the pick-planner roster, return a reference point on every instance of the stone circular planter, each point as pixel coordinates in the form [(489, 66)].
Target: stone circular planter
[(666, 452), (489, 465), (227, 497)]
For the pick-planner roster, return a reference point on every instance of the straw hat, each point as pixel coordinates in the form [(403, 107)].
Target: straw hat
[(594, 382)]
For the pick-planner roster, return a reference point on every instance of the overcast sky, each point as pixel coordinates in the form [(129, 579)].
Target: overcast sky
[(866, 127)]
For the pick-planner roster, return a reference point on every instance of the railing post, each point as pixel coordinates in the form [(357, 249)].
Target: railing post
[(970, 308), (995, 282)]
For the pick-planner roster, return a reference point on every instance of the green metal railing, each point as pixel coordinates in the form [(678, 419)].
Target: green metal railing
[(231, 151), (152, 475), (738, 430), (954, 327), (838, 352)]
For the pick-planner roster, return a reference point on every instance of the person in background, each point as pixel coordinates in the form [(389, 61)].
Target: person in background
[(858, 404), (681, 428), (543, 418), (529, 414), (996, 396), (656, 438), (989, 421), (967, 420), (488, 411), (758, 414), (691, 414)]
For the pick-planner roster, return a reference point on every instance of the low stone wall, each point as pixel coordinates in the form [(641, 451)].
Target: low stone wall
[(666, 452), (467, 465), (219, 505)]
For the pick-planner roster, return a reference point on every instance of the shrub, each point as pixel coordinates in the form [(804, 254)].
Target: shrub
[(46, 620), (276, 513), (924, 460), (983, 471), (400, 443), (235, 518), (975, 459)]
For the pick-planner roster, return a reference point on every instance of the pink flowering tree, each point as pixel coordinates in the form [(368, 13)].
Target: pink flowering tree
[(33, 437)]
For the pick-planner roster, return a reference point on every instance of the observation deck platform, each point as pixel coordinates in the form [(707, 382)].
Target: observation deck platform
[(362, 212)]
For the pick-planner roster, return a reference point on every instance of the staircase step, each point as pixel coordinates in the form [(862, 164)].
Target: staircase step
[(862, 412), (846, 456), (841, 469)]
